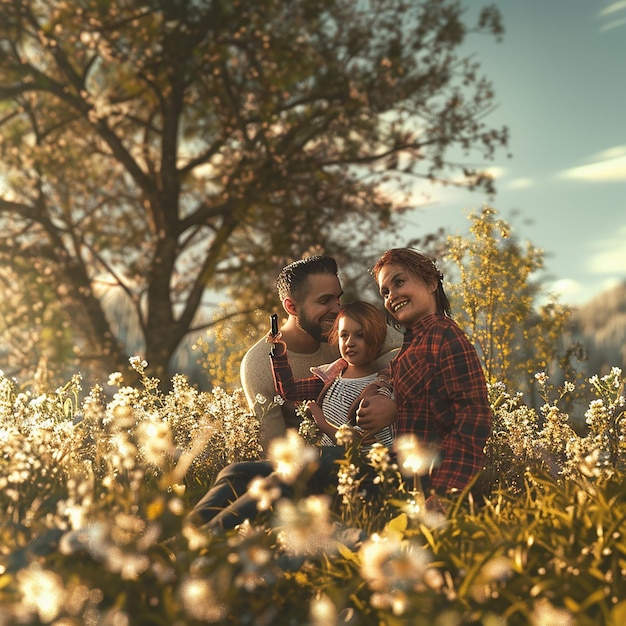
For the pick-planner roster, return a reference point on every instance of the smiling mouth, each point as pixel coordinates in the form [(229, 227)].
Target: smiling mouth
[(398, 306)]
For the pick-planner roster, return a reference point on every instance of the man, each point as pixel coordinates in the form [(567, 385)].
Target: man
[(310, 292)]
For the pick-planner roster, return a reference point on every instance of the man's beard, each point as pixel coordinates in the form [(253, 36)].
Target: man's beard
[(313, 329)]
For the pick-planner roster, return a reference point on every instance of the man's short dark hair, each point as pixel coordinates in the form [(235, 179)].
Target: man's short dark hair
[(292, 280)]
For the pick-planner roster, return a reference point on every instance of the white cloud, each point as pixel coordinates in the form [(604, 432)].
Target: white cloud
[(521, 183), (566, 288), (573, 292), (609, 261), (609, 13), (613, 24), (607, 166), (610, 256), (605, 268), (613, 8)]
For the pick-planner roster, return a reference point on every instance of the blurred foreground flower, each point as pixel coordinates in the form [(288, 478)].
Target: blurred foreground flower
[(414, 458), (305, 526), (42, 593), (394, 568), (546, 614), (290, 455), (264, 491), (155, 440), (323, 611), (200, 600)]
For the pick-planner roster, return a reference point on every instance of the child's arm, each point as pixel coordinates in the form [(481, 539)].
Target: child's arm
[(320, 420), (286, 385)]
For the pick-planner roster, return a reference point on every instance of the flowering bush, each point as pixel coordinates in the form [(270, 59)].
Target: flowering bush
[(526, 442), (95, 493)]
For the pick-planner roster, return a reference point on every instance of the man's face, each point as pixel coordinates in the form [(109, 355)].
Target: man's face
[(319, 308)]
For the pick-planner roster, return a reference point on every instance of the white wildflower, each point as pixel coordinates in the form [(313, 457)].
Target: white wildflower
[(115, 379), (290, 455), (138, 364), (264, 491), (414, 458), (305, 526), (347, 483), (378, 456), (344, 435)]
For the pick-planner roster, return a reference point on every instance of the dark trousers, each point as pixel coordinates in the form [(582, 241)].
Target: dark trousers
[(228, 503)]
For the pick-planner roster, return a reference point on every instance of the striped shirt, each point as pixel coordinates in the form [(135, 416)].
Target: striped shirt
[(341, 388), (337, 402)]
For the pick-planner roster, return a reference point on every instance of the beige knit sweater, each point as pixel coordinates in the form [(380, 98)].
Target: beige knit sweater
[(258, 384)]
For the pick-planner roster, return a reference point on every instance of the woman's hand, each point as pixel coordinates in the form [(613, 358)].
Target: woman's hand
[(375, 412)]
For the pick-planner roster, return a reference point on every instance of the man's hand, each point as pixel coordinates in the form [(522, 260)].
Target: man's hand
[(375, 412)]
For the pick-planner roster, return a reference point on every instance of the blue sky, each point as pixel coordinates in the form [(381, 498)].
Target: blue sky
[(560, 82)]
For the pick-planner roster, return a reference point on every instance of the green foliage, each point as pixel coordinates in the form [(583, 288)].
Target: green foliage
[(496, 302), (35, 335), (159, 150), (94, 495), (223, 346)]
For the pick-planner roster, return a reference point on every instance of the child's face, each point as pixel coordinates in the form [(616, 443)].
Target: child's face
[(406, 297), (352, 344)]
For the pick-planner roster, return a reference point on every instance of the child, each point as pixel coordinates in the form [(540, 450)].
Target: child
[(359, 330)]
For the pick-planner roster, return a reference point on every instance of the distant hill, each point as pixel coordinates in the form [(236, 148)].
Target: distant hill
[(600, 326)]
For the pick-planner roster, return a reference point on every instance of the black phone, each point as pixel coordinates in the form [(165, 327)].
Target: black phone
[(273, 329), (274, 324)]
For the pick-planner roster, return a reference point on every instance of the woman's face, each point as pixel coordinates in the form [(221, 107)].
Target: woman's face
[(405, 296)]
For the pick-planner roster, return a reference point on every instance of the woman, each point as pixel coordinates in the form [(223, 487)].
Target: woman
[(437, 378)]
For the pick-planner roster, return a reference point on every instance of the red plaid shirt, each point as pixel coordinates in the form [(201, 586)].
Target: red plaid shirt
[(439, 386), (304, 388)]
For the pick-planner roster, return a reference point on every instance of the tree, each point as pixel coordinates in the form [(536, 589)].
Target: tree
[(497, 303), (171, 149)]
